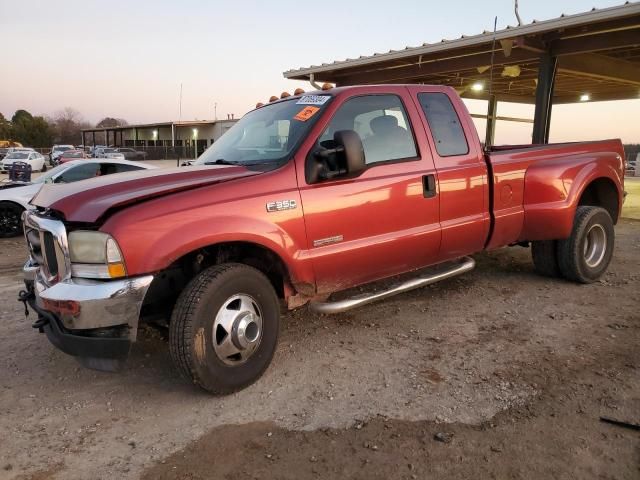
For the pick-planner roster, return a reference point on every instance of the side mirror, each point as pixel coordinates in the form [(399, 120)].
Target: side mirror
[(346, 159)]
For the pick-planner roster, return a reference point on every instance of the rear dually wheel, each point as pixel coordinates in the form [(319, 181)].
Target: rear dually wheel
[(586, 254)]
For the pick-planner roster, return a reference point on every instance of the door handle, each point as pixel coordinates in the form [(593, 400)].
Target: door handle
[(429, 186)]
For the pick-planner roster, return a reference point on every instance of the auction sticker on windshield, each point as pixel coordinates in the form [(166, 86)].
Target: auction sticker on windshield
[(306, 113), (313, 99)]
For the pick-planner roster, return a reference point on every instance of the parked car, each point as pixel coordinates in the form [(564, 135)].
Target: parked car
[(303, 197), (35, 159), (6, 151), (70, 155), (131, 154), (15, 196), (632, 167), (6, 146), (108, 152), (93, 149), (58, 150)]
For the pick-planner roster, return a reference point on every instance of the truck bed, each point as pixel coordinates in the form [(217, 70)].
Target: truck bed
[(526, 204)]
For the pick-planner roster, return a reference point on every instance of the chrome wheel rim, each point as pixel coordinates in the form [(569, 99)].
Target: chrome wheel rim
[(237, 329), (595, 245)]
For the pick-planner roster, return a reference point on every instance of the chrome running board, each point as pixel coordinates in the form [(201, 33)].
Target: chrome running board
[(466, 264)]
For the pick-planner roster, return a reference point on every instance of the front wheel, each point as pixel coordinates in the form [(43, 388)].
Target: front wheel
[(224, 327), (586, 254), (44, 167)]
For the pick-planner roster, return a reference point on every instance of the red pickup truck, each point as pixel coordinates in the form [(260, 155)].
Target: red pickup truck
[(305, 196)]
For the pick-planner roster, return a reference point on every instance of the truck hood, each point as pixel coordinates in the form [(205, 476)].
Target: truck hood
[(88, 200)]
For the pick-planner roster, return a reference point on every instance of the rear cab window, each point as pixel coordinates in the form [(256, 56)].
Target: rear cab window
[(444, 123)]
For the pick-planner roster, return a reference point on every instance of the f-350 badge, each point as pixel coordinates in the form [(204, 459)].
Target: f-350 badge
[(280, 205)]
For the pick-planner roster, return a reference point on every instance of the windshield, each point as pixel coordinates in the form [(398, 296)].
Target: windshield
[(53, 172), (267, 135), (17, 156)]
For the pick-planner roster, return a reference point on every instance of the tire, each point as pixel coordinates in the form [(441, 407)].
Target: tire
[(205, 327), (10, 219), (586, 254), (44, 167), (545, 258)]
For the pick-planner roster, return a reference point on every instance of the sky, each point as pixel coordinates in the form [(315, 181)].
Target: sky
[(127, 59)]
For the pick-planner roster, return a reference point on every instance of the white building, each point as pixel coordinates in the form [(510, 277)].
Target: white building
[(161, 136)]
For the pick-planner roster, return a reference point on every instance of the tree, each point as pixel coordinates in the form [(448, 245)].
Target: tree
[(68, 124), (29, 130), (6, 132), (111, 122)]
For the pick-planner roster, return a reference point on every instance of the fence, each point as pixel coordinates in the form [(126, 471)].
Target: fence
[(185, 152)]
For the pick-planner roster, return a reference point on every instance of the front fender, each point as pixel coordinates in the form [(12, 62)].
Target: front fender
[(553, 189), (151, 246)]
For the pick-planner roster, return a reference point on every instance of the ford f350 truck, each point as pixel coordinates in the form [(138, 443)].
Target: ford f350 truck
[(305, 196)]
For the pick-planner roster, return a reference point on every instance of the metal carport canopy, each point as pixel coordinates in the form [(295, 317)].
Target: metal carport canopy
[(596, 53)]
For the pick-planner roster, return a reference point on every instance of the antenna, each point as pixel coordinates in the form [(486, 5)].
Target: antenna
[(489, 112), (517, 14), (180, 111)]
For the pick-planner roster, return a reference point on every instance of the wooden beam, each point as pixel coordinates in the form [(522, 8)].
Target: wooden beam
[(504, 119), (451, 65), (601, 67), (596, 97), (501, 97), (596, 43)]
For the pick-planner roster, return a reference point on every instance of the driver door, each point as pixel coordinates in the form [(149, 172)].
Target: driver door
[(385, 221)]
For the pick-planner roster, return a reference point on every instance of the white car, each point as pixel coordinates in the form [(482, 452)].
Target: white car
[(58, 150), (108, 152), (34, 159), (15, 196)]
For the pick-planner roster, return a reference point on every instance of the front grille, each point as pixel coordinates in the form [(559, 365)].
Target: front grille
[(47, 242), (50, 257), (35, 246)]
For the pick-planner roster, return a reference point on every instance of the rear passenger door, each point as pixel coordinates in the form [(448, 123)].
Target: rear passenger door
[(383, 222), (462, 171)]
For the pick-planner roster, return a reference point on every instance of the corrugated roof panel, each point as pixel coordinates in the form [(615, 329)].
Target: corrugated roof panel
[(626, 9)]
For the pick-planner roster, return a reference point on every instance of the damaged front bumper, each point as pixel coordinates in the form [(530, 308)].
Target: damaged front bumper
[(96, 321)]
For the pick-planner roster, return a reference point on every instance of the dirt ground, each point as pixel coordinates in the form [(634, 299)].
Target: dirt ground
[(496, 374)]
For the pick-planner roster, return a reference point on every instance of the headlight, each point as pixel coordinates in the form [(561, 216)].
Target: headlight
[(95, 255)]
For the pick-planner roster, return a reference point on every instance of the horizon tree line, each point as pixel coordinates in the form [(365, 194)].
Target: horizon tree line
[(39, 131)]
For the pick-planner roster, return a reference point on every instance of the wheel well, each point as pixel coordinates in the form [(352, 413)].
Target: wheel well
[(602, 193), (167, 285)]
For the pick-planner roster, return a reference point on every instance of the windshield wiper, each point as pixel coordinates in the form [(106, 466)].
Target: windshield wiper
[(222, 161)]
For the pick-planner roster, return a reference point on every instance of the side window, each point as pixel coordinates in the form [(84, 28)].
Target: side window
[(122, 167), (79, 172), (382, 124), (444, 124)]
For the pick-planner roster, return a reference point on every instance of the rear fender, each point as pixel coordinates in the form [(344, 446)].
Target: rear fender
[(553, 189)]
